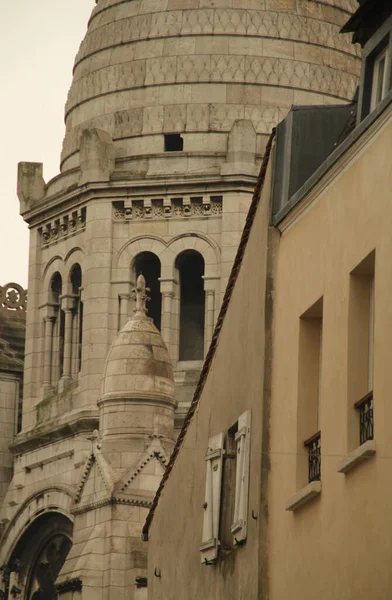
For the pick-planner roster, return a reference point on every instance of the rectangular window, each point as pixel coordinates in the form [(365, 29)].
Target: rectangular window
[(381, 67), (309, 395), (360, 358)]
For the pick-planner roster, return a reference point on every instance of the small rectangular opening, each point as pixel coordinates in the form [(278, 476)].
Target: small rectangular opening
[(173, 142)]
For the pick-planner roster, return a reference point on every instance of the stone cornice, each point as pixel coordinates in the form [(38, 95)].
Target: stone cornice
[(42, 435), (117, 189), (143, 503)]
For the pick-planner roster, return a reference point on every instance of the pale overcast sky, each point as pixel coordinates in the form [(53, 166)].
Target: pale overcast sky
[(38, 43)]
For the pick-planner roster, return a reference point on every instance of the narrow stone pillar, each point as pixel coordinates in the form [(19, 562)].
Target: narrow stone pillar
[(167, 291), (209, 318), (166, 316), (124, 309), (68, 306), (48, 353)]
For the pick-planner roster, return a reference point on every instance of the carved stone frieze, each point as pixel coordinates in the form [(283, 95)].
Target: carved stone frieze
[(164, 208), (64, 226)]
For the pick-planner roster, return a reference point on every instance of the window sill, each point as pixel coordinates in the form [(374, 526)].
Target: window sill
[(358, 455), (310, 491)]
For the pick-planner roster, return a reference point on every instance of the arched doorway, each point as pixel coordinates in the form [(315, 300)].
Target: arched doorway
[(39, 556)]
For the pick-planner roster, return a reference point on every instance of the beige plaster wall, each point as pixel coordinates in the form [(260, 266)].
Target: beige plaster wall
[(337, 545), (234, 384)]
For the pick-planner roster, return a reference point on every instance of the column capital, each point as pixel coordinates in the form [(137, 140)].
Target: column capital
[(68, 302), (168, 285), (49, 318), (210, 284), (49, 310)]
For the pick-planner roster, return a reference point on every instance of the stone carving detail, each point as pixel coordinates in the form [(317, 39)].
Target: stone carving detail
[(208, 68), (222, 116), (227, 68), (166, 23), (13, 297), (193, 68), (231, 21), (63, 226), (161, 70), (167, 208), (306, 26), (128, 122), (264, 117), (174, 117), (197, 117), (198, 21)]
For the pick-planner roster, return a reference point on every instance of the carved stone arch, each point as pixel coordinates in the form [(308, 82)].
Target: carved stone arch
[(208, 249), (124, 259), (55, 265), (73, 257), (56, 498)]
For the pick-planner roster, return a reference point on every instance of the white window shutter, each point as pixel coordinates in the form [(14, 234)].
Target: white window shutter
[(214, 461), (242, 438)]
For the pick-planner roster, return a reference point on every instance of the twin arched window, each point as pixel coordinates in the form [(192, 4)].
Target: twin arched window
[(182, 318), (63, 329)]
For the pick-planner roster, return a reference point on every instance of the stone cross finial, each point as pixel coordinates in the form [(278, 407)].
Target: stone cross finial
[(141, 296)]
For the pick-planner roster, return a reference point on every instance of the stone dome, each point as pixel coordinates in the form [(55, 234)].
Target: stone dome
[(150, 68), (138, 366)]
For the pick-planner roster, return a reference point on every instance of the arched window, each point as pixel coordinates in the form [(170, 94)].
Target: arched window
[(77, 329), (149, 265), (190, 265)]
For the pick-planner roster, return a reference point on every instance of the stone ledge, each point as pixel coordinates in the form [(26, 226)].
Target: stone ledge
[(306, 494), (358, 455)]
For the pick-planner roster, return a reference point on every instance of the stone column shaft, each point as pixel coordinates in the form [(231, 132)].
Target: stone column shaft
[(124, 306), (48, 353), (209, 318), (67, 343), (166, 317)]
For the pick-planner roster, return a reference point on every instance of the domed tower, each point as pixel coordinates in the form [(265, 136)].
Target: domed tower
[(166, 123)]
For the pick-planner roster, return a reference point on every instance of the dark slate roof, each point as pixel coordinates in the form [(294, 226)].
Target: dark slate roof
[(369, 17), (214, 343)]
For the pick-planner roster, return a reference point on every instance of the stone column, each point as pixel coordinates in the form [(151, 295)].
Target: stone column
[(210, 285), (209, 319), (48, 353), (48, 312), (167, 291), (68, 306), (124, 309)]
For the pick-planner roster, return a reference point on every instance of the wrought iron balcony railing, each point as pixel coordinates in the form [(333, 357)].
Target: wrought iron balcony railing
[(313, 445), (366, 418)]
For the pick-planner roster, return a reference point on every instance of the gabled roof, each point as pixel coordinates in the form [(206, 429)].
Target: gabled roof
[(215, 338)]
